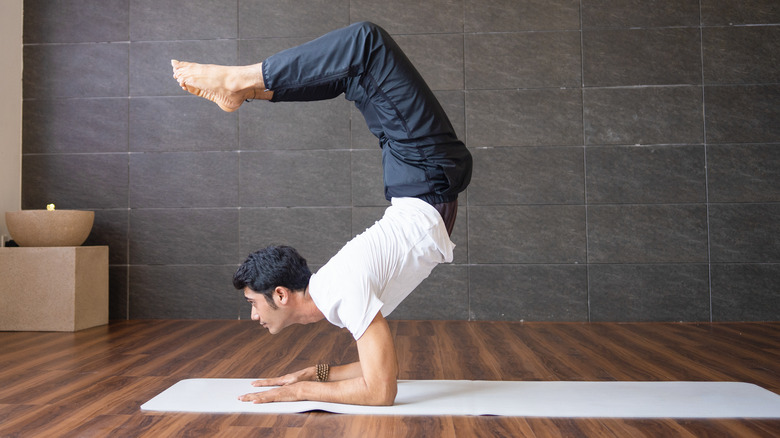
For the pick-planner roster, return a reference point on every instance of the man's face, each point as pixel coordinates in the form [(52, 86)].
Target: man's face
[(270, 318)]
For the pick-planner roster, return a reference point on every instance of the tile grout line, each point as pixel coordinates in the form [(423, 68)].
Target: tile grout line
[(584, 166), (238, 150), (469, 314), (706, 164), (464, 88), (127, 197)]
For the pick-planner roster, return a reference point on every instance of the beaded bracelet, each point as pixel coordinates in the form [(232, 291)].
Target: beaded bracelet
[(323, 370)]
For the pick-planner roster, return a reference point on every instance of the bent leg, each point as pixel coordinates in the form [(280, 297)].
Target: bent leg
[(364, 62), (316, 70), (361, 61), (421, 154)]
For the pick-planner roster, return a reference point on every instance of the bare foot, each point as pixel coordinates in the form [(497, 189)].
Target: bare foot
[(227, 86)]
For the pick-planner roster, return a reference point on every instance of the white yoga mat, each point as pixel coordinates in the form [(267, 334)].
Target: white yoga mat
[(479, 397)]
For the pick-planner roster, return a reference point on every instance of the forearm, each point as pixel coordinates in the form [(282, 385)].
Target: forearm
[(350, 391), (345, 372), (336, 373)]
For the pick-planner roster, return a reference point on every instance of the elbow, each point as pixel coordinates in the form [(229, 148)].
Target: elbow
[(390, 394), (385, 395)]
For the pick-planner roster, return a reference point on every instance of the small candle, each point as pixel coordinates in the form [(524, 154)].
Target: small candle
[(50, 207)]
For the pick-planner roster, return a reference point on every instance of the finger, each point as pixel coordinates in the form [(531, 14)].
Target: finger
[(249, 397), (256, 397), (269, 382), (275, 381)]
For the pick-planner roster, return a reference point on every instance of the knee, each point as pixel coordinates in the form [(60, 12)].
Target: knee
[(369, 28), (367, 25)]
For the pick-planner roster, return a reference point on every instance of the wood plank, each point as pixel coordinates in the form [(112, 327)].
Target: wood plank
[(92, 383)]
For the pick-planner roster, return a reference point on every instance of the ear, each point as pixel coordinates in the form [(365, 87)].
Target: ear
[(281, 295)]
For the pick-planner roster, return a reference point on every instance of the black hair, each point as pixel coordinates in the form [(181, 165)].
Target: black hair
[(270, 267)]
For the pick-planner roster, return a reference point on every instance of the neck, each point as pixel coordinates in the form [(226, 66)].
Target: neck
[(309, 312)]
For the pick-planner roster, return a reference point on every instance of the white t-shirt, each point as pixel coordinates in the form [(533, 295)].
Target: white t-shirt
[(380, 267)]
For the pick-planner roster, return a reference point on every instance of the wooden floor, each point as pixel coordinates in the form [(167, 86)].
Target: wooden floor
[(91, 383)]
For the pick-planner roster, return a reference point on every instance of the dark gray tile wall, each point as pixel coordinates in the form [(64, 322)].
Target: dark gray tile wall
[(627, 153)]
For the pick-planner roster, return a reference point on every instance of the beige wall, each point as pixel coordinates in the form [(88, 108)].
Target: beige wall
[(11, 108)]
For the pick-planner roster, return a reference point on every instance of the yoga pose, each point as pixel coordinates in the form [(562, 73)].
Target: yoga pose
[(425, 166)]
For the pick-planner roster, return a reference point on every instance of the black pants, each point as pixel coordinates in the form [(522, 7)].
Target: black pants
[(421, 155), (448, 212)]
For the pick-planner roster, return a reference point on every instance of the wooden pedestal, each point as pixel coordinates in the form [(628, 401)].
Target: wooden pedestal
[(53, 289)]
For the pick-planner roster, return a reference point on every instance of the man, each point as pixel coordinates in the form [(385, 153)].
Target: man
[(425, 167)]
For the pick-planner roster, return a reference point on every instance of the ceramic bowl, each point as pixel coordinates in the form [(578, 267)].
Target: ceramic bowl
[(49, 227)]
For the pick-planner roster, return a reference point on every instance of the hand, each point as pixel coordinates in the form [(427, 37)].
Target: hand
[(288, 379), (280, 394)]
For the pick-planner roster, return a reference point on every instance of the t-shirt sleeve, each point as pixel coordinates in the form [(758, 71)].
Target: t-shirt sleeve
[(358, 312), (360, 292), (346, 290)]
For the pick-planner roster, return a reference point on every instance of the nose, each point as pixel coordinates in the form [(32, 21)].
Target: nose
[(255, 315)]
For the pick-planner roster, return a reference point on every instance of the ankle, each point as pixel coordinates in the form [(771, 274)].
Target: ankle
[(248, 78)]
